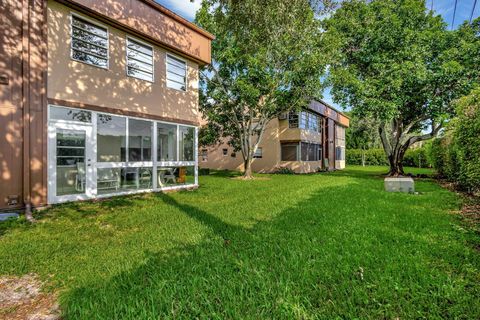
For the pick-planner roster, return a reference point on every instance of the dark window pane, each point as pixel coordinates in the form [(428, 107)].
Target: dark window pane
[(289, 152)]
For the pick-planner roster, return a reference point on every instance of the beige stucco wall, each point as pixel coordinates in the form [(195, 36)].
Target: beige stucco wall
[(79, 82), (292, 134), (275, 132)]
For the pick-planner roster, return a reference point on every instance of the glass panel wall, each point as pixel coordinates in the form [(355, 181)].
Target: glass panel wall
[(70, 158), (175, 176), (111, 138), (166, 142), (139, 140), (67, 114), (124, 148), (113, 180), (187, 143)]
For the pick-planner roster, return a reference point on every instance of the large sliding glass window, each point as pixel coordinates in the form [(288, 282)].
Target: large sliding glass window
[(187, 143), (125, 150), (166, 142), (111, 138), (139, 140)]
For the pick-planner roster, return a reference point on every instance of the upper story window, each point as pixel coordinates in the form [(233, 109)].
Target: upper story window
[(176, 73), (89, 42), (139, 60), (258, 153), (305, 120), (339, 135)]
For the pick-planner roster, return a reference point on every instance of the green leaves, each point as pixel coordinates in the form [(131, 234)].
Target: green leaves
[(267, 59)]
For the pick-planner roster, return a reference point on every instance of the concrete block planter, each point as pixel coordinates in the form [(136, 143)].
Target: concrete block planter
[(400, 184)]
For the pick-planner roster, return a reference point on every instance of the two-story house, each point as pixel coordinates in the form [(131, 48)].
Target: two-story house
[(97, 98), (304, 142)]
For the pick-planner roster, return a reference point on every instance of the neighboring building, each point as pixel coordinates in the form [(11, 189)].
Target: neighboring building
[(97, 98), (306, 141)]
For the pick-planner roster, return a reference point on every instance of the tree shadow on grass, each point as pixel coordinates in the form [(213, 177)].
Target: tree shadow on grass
[(317, 259)]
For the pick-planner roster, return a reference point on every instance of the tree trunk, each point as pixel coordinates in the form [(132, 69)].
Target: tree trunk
[(363, 157), (395, 147), (247, 173), (396, 167)]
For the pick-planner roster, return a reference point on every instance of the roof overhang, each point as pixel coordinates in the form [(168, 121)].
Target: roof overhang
[(326, 110)]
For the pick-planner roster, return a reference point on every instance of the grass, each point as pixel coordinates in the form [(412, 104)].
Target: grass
[(321, 246)]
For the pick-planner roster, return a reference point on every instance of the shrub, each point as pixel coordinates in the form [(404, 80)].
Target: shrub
[(456, 155), (376, 157), (283, 170), (466, 134), (417, 158), (373, 157)]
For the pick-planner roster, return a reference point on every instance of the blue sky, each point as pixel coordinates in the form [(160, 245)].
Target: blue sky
[(187, 9)]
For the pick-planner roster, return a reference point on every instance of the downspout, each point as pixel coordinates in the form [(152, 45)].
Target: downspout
[(26, 108)]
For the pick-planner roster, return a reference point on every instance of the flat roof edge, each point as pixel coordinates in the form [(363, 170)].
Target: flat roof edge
[(178, 18)]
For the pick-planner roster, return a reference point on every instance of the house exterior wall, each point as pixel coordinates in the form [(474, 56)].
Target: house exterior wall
[(22, 101), (86, 85), (154, 22), (276, 133), (36, 70)]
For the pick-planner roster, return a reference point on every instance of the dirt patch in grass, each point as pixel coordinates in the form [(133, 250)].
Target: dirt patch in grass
[(471, 214), (22, 298), (251, 179)]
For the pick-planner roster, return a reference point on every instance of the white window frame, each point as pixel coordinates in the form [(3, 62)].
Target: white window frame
[(166, 71), (128, 37), (154, 164), (82, 17), (257, 154)]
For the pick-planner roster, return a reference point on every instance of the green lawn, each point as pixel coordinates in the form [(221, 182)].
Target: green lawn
[(330, 245)]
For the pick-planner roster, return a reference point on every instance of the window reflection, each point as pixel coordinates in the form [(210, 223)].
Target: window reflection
[(139, 140), (187, 143), (167, 142), (114, 180), (175, 176), (59, 113), (111, 138)]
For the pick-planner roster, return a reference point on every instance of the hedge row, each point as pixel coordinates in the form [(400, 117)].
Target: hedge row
[(376, 157), (456, 155)]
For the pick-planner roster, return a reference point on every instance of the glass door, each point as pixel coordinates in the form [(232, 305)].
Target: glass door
[(70, 162)]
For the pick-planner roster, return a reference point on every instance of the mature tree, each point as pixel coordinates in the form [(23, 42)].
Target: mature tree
[(395, 62), (266, 61)]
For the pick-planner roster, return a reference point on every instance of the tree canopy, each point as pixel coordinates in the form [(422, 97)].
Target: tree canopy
[(267, 59), (396, 62)]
